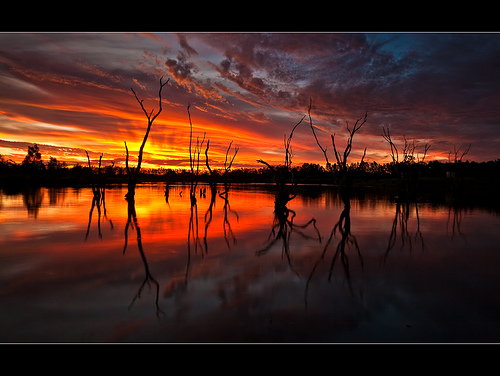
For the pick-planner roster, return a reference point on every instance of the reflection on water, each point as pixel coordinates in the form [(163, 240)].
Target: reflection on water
[(220, 263)]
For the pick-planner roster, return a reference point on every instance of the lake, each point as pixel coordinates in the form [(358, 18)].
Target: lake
[(234, 270)]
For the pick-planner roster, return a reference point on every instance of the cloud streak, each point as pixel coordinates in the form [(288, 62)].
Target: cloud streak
[(73, 90)]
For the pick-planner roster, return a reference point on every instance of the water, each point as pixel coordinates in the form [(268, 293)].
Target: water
[(241, 273)]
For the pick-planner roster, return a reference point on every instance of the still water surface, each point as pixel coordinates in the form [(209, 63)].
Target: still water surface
[(233, 270)]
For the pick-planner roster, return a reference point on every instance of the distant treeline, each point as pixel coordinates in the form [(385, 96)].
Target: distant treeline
[(477, 178), (54, 172)]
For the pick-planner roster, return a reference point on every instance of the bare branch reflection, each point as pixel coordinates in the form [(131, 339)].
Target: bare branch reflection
[(228, 232), (283, 226), (347, 241), (209, 212), (148, 278), (98, 198), (456, 212), (400, 222)]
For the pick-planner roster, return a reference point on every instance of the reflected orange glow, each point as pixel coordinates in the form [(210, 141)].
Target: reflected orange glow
[(160, 222), (51, 267)]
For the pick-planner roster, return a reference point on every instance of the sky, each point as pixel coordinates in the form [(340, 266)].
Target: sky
[(71, 92)]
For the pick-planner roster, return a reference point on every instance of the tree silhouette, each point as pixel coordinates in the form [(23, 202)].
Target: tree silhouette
[(343, 172), (33, 158), (132, 178), (408, 170)]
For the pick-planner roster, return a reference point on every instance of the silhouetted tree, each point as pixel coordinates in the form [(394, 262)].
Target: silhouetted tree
[(54, 165), (132, 178), (343, 173), (457, 157), (283, 173), (33, 160), (408, 170), (33, 156)]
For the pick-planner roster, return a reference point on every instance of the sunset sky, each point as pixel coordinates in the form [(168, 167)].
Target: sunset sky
[(70, 92)]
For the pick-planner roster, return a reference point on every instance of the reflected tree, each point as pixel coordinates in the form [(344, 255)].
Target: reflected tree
[(194, 164), (32, 198), (282, 229), (342, 173), (407, 171), (166, 193), (283, 222), (228, 162), (346, 243), (455, 217), (98, 197), (400, 224), (149, 280), (214, 176)]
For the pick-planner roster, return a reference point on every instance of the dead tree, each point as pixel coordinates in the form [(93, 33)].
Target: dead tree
[(345, 179), (132, 178), (283, 173), (342, 159), (343, 174), (97, 190), (228, 162), (454, 170), (407, 170), (457, 157)]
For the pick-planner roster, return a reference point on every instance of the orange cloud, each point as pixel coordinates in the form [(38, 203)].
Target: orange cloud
[(73, 90)]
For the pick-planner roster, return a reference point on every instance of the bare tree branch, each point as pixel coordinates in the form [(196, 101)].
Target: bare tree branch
[(236, 148), (159, 101), (133, 179), (126, 160), (337, 155), (465, 152), (342, 160), (426, 148), (206, 157), (150, 123), (314, 134), (394, 150), (191, 164), (288, 152), (267, 164), (363, 157)]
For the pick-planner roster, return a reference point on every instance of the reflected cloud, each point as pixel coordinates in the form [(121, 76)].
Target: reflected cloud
[(233, 295)]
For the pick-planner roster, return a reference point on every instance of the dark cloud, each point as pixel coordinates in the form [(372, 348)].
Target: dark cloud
[(428, 85), (180, 69), (442, 88), (185, 46)]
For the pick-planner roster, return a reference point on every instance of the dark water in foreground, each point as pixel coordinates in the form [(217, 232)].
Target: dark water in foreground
[(236, 272)]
